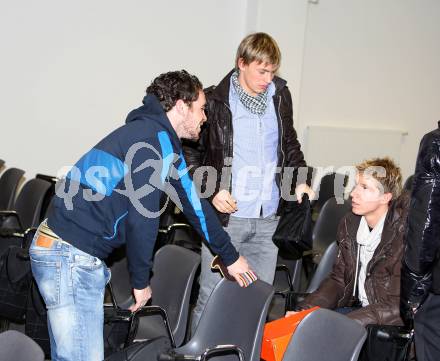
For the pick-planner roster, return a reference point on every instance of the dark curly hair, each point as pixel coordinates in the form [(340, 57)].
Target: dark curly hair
[(174, 85)]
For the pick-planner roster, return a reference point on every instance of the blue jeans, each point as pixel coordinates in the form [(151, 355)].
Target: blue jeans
[(72, 284), (252, 238)]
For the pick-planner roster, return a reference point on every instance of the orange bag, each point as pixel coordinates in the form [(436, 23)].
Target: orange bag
[(277, 335)]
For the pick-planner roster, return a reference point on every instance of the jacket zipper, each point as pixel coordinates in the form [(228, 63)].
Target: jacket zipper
[(282, 136), (230, 144)]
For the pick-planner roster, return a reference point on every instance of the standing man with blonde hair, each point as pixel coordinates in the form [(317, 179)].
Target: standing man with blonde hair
[(250, 141)]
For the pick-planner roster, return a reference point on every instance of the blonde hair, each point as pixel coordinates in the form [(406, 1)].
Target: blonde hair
[(259, 47), (386, 172)]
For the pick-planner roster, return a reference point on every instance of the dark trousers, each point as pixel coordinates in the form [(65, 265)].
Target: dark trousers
[(427, 329)]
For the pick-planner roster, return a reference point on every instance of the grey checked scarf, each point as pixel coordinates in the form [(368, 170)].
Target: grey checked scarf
[(256, 105)]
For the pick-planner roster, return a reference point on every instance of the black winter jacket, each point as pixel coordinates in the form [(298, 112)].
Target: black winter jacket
[(215, 145), (421, 265)]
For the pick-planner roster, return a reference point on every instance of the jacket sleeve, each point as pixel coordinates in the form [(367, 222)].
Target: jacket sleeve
[(331, 291), (199, 212), (294, 154), (423, 227), (143, 212), (179, 186)]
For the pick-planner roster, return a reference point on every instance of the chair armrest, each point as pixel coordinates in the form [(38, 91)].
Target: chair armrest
[(112, 314), (175, 226), (222, 349), (149, 311), (293, 298), (173, 356), (10, 216), (283, 268), (171, 229), (209, 352)]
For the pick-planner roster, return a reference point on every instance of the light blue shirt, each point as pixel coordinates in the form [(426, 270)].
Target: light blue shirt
[(255, 142)]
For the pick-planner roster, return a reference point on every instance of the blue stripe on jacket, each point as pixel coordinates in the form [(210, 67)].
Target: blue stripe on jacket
[(99, 171), (185, 180)]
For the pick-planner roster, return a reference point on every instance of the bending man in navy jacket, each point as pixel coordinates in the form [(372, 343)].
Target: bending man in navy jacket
[(111, 197)]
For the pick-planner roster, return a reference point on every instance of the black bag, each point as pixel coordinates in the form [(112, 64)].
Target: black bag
[(15, 282), (387, 343), (36, 320), (143, 351), (293, 234)]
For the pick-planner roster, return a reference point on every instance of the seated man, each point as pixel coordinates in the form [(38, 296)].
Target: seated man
[(365, 280)]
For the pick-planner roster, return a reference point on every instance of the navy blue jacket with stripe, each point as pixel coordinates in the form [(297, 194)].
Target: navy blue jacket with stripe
[(112, 194)]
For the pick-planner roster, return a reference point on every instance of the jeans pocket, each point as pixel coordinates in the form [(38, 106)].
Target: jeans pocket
[(87, 262), (47, 274)]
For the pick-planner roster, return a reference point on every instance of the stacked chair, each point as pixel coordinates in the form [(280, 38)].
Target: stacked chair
[(331, 185), (9, 183), (17, 227), (326, 225)]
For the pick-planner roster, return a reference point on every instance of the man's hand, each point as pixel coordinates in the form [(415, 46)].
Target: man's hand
[(238, 267), (141, 298), (224, 202), (290, 313), (304, 188)]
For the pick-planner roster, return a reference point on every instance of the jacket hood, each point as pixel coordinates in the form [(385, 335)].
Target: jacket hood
[(151, 111)]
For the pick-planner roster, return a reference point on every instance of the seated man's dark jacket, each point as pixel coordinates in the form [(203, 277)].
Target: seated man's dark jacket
[(382, 284), (421, 263)]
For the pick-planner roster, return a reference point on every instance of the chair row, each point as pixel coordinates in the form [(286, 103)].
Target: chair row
[(23, 204)]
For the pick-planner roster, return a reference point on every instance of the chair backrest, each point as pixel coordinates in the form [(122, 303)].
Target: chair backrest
[(408, 185), (326, 226), (16, 346), (233, 315), (50, 193), (331, 185), (326, 335), (120, 279), (324, 268), (174, 269), (29, 202), (9, 182)]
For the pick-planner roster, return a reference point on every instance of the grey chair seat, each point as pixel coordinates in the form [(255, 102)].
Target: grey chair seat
[(232, 316), (16, 346), (326, 335)]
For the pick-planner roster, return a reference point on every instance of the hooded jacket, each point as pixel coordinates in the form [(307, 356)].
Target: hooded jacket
[(112, 195), (382, 283), (421, 264), (215, 145)]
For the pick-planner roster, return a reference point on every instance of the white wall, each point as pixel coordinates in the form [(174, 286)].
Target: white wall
[(70, 71), (373, 64)]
